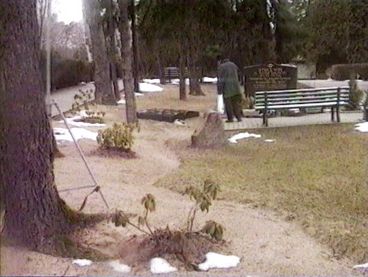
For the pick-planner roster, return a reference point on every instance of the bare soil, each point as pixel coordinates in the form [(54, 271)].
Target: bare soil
[(267, 244)]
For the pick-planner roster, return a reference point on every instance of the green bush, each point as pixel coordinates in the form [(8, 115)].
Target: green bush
[(347, 71), (119, 137), (355, 95)]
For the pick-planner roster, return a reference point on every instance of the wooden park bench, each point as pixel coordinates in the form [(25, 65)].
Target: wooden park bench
[(333, 97)]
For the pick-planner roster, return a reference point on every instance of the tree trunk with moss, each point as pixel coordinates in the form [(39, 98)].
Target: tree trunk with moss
[(127, 54), (92, 14), (34, 212)]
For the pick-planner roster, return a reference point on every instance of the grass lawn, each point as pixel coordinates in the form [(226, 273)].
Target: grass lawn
[(315, 175)]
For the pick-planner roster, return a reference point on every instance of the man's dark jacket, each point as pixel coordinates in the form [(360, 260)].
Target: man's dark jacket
[(228, 82)]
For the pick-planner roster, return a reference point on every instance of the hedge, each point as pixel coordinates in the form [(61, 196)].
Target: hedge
[(66, 72), (345, 71)]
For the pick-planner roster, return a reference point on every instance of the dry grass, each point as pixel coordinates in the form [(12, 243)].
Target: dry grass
[(316, 175), (169, 99)]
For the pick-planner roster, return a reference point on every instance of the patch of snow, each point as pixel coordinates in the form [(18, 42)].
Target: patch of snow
[(119, 267), (215, 260), (74, 122), (235, 138), (62, 134), (177, 81), (209, 80), (121, 102), (361, 266), (144, 87), (269, 140), (159, 265), (138, 94), (82, 262), (180, 122), (362, 127), (151, 81)]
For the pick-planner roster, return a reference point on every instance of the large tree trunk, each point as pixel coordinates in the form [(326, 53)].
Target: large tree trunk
[(135, 48), (126, 53), (161, 73), (182, 86), (103, 92), (112, 48), (34, 213)]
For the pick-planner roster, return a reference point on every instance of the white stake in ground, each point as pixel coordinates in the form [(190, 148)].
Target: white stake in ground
[(96, 186)]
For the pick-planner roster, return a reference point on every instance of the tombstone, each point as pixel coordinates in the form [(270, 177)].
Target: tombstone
[(269, 77)]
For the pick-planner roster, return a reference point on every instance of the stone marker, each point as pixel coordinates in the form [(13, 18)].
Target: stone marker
[(269, 77), (211, 133)]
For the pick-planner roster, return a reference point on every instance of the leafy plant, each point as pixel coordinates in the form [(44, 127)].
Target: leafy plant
[(119, 218), (213, 229), (355, 94), (188, 247), (119, 137), (365, 106), (203, 200), (83, 101)]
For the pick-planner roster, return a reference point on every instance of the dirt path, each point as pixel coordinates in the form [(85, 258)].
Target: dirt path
[(267, 244)]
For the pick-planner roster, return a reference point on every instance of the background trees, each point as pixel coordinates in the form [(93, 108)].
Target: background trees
[(336, 31)]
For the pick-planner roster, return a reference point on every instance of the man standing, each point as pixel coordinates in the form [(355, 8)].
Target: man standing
[(228, 85)]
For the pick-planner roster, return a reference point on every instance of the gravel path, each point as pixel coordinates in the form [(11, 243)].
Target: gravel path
[(267, 244)]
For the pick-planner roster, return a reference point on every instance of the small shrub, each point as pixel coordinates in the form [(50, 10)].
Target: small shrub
[(365, 106), (355, 95), (83, 101), (119, 137), (186, 245)]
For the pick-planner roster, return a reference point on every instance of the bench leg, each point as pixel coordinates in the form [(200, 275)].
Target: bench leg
[(265, 121), (332, 114), (338, 113)]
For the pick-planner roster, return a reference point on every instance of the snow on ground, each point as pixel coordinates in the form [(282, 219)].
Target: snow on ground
[(159, 265), (180, 122), (82, 262), (119, 267), (209, 80), (177, 81), (361, 266), (144, 87), (235, 138), (151, 81), (62, 134), (215, 260), (362, 127), (269, 140), (74, 121), (121, 102)]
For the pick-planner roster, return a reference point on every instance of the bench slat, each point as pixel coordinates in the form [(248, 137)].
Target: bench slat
[(305, 90), (261, 94), (303, 98), (289, 106)]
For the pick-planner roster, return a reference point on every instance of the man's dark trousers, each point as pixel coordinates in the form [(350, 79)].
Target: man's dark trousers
[(233, 107)]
